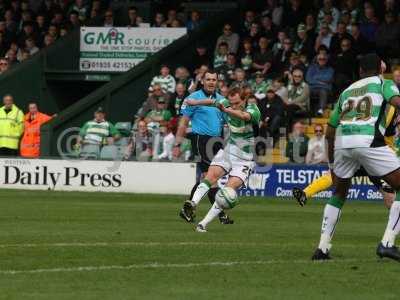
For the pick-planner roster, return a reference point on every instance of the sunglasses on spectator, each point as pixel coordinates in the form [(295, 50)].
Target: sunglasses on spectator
[(227, 29), (318, 130)]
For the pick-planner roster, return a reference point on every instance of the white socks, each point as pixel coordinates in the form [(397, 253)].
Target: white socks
[(211, 215), (329, 221), (201, 191), (393, 226)]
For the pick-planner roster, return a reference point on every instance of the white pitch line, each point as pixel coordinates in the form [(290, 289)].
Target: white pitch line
[(172, 265), (151, 244)]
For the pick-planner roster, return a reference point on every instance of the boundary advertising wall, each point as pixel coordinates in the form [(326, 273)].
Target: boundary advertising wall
[(159, 178)]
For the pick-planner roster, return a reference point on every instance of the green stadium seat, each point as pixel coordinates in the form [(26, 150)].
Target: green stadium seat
[(124, 128), (89, 151)]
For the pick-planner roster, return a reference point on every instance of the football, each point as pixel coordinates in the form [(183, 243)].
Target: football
[(226, 198)]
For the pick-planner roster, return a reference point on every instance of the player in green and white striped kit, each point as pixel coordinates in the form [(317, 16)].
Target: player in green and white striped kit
[(236, 159), (355, 137)]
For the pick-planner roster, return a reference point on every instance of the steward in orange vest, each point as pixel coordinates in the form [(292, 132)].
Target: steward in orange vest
[(30, 143)]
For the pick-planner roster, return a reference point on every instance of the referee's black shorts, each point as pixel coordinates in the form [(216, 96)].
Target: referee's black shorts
[(205, 147)]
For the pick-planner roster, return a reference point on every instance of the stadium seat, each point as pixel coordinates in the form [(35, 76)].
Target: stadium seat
[(124, 128), (89, 151), (109, 152), (122, 142)]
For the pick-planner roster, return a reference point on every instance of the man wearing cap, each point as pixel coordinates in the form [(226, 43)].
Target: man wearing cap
[(97, 131), (303, 42)]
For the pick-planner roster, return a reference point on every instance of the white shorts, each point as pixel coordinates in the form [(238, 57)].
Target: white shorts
[(377, 162), (233, 165)]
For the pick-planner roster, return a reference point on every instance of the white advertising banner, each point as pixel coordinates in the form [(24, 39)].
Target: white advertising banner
[(119, 49), (97, 176)]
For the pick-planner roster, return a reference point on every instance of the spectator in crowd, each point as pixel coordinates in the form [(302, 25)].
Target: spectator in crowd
[(259, 85), (369, 23), (263, 58), (272, 115), (97, 132), (275, 10), (108, 18), (226, 71), (278, 84), (198, 80), (159, 20), (142, 144), (282, 58), (388, 38), (195, 21), (11, 57), (346, 67), (165, 80), (320, 77), (361, 45), (33, 120), (246, 55), (182, 75), (177, 98), (160, 116), (220, 56), (151, 102), (81, 9), (341, 33), (324, 37), (74, 21), (240, 79), (278, 45), (311, 26), (171, 17), (297, 146), (11, 127), (249, 18), (298, 101), (328, 10), (316, 152), (4, 66), (168, 143), (304, 43), (230, 38), (350, 7), (254, 34), (268, 28), (30, 46), (132, 17)]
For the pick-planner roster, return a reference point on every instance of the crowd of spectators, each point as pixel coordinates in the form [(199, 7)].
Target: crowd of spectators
[(294, 57)]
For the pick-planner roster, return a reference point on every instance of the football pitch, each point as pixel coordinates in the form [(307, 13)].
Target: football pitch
[(56, 245)]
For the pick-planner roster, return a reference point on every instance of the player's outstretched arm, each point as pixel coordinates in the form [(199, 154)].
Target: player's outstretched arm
[(204, 102), (240, 114)]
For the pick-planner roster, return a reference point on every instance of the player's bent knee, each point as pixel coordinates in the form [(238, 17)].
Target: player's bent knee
[(226, 198)]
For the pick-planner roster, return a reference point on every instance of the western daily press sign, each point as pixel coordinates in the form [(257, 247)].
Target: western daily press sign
[(279, 180), (97, 176), (119, 49)]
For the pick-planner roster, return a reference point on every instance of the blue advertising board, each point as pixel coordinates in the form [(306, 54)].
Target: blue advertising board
[(279, 180)]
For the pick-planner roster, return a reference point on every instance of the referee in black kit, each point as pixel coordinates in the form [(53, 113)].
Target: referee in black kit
[(207, 124)]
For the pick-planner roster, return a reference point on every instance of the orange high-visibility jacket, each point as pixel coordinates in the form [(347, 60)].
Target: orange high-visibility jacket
[(30, 143)]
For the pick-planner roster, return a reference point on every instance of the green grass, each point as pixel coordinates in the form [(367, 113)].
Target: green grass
[(271, 243)]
